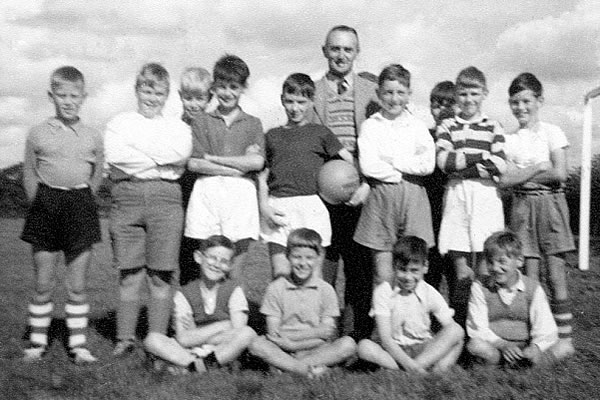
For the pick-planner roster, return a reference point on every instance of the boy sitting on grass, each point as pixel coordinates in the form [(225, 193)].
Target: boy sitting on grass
[(300, 312), (509, 319), (210, 315), (402, 316)]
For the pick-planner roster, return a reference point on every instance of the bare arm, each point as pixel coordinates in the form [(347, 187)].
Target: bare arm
[(98, 167), (281, 339), (516, 176), (246, 163), (30, 178), (205, 167), (274, 217), (558, 172)]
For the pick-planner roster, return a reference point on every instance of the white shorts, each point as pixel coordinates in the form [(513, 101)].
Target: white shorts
[(300, 212), (223, 205), (472, 212)]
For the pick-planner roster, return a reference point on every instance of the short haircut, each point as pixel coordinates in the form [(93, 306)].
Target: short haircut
[(504, 242), (299, 85), (471, 77), (215, 241), (304, 237), (231, 68), (343, 28), (443, 93), (409, 249), (526, 81), (195, 79), (395, 72), (66, 73), (151, 75)]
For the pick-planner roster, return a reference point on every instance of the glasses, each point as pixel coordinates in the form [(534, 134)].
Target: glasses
[(217, 260)]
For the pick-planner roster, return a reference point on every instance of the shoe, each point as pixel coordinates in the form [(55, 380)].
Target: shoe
[(124, 347), (81, 355), (34, 353), (318, 371)]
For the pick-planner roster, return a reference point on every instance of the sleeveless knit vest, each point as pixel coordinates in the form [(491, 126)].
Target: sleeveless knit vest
[(193, 295)]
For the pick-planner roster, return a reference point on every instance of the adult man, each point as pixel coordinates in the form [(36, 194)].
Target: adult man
[(343, 100)]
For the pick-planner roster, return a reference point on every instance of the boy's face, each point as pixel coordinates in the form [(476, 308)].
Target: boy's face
[(525, 107), (297, 108), (303, 261), (340, 50), (394, 97), (409, 275), (228, 94), (68, 98), (151, 100), (469, 100), (441, 110), (504, 268), (194, 101), (215, 262)]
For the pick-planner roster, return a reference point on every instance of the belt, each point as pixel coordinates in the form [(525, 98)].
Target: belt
[(537, 192), (138, 180)]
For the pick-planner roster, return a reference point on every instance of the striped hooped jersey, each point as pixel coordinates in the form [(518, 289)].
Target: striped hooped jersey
[(461, 145)]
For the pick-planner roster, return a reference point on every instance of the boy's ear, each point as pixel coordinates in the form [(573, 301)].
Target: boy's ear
[(425, 267), (520, 261), (198, 256), (50, 96)]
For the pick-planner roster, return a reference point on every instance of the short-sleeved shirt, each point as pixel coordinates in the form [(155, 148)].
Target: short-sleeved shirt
[(64, 156), (527, 147), (294, 156), (212, 136), (300, 307), (410, 315)]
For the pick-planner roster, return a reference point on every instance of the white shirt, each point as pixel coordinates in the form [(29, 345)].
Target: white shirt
[(147, 148), (544, 332), (390, 148), (527, 147), (182, 310), (410, 315)]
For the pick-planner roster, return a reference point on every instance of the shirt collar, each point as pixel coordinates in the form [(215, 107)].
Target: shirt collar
[(57, 124), (240, 117), (419, 290), (520, 285), (482, 118), (332, 80), (310, 284)]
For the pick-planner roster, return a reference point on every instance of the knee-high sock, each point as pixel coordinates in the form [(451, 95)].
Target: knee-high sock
[(561, 310), (77, 322), (40, 316)]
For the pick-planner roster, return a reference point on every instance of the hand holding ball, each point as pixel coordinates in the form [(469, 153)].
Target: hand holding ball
[(337, 181)]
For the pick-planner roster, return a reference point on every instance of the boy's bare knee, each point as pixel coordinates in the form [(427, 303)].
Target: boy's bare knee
[(365, 347), (258, 346), (43, 294), (248, 333), (347, 346)]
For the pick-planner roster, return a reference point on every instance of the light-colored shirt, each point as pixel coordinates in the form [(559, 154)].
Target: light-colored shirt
[(147, 148), (390, 148), (63, 156), (544, 332), (182, 310), (527, 147), (410, 315), (300, 307)]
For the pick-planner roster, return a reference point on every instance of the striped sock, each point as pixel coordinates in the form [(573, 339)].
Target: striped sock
[(561, 310), (77, 321), (40, 316)]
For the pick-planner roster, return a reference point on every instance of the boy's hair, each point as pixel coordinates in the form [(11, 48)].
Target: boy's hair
[(299, 85), (471, 77), (195, 79), (526, 81), (215, 241), (371, 77), (506, 242), (409, 249), (230, 68), (343, 28), (66, 73), (152, 74), (304, 237), (443, 93), (395, 72)]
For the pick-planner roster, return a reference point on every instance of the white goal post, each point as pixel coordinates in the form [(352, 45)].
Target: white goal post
[(585, 189)]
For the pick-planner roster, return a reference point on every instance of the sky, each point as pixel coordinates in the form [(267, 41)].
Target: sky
[(109, 40)]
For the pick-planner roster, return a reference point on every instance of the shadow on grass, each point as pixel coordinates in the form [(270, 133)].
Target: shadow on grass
[(106, 325)]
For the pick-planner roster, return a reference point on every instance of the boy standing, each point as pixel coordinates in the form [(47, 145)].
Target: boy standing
[(509, 316), (288, 186), (62, 169), (301, 311), (403, 316), (227, 153), (146, 153), (470, 149), (395, 152)]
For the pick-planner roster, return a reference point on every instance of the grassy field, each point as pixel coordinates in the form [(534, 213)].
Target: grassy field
[(57, 378)]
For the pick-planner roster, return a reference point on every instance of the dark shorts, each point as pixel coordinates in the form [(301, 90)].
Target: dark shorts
[(64, 220)]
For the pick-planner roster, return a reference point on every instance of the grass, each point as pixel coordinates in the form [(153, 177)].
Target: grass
[(57, 378)]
